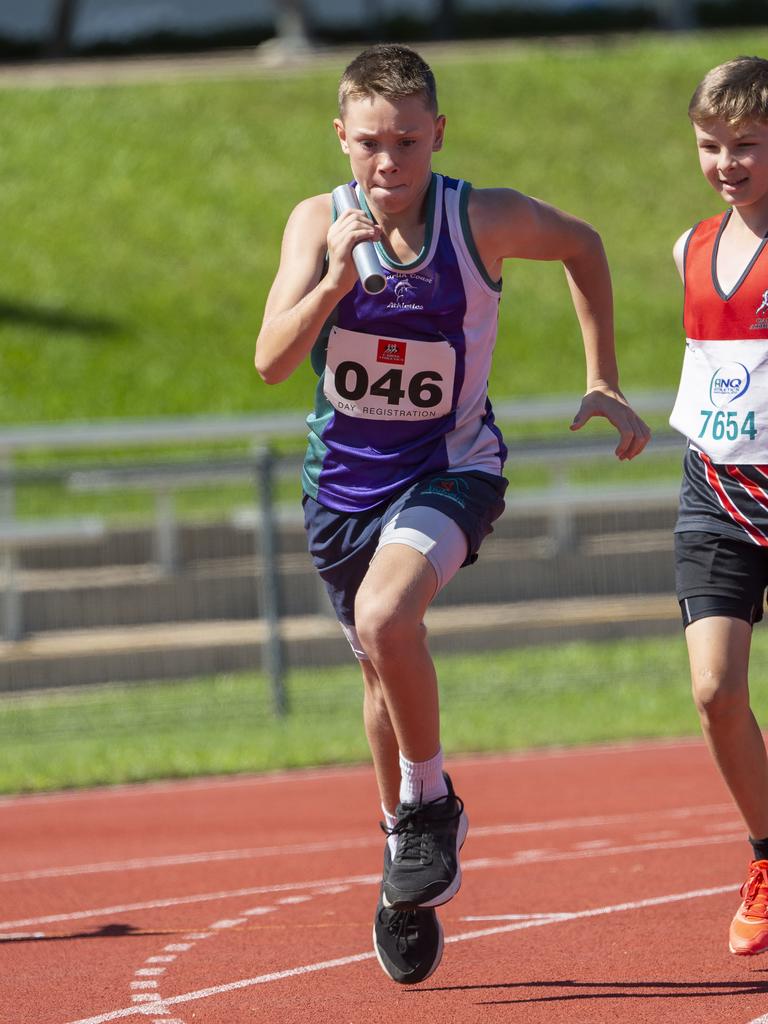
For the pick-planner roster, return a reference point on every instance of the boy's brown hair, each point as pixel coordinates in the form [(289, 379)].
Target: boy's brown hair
[(389, 70), (735, 92)]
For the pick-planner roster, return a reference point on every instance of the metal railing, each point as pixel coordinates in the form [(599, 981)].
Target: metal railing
[(557, 503)]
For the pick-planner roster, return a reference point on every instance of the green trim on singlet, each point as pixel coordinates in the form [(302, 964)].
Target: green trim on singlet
[(317, 449), (318, 419), (429, 225), (469, 241)]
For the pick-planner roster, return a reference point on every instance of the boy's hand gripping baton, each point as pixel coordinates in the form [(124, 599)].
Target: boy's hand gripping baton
[(363, 254)]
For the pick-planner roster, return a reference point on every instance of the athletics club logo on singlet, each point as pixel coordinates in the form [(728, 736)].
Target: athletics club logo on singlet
[(761, 324), (405, 288)]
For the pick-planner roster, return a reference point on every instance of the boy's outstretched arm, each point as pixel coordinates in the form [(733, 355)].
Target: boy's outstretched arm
[(509, 225), (302, 297)]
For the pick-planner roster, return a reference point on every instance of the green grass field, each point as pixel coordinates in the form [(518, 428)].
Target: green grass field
[(142, 228), (142, 223), (531, 697)]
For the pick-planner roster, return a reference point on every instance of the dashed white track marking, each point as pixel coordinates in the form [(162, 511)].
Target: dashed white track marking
[(519, 828), (345, 961), (151, 1003), (522, 858)]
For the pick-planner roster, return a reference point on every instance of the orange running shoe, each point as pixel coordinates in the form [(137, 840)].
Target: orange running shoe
[(749, 928)]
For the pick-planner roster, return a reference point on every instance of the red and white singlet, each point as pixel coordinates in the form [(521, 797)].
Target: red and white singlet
[(722, 402)]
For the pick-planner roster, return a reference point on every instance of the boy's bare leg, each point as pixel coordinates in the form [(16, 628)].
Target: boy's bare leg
[(381, 738), (718, 649), (389, 612)]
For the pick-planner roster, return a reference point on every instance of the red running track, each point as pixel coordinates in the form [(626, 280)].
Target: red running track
[(598, 886)]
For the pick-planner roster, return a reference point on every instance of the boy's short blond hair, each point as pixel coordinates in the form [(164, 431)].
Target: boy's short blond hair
[(388, 70), (735, 92)]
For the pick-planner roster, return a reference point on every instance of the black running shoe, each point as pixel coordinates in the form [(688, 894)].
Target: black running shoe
[(425, 870), (408, 943)]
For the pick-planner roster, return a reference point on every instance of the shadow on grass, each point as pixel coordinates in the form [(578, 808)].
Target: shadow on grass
[(581, 990), (27, 315)]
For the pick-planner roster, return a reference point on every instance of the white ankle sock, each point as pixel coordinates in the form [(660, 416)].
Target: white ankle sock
[(390, 820), (422, 781)]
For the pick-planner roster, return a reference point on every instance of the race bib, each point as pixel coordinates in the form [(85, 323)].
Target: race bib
[(722, 402), (375, 378)]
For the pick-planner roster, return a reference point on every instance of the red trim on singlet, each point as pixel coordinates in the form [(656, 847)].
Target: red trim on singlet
[(715, 483), (709, 313), (752, 488)]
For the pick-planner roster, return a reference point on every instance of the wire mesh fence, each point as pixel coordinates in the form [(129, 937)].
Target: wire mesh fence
[(186, 566)]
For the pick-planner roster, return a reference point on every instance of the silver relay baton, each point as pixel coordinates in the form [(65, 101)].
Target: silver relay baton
[(364, 253)]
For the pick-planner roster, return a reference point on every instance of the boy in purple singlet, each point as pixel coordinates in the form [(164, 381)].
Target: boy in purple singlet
[(403, 473)]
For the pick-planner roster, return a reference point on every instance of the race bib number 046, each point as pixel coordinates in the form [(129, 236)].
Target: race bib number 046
[(377, 378)]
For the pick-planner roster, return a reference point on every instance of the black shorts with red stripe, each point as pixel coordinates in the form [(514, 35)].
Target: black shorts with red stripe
[(724, 499)]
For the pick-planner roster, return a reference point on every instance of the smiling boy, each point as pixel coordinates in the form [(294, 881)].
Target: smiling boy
[(721, 536), (403, 473)]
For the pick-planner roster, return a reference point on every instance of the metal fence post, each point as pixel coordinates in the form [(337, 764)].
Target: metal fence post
[(12, 609), (270, 581), (166, 534)]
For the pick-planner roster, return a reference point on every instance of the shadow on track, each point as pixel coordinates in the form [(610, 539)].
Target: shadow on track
[(107, 931), (577, 990)]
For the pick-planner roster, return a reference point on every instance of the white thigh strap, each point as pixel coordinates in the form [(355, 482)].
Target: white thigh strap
[(434, 534)]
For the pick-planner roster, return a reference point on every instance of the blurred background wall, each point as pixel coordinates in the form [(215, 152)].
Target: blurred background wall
[(35, 28)]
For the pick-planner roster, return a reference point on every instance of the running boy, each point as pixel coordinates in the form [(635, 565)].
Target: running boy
[(403, 472), (721, 536)]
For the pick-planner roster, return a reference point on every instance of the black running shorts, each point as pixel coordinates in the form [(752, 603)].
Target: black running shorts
[(719, 575)]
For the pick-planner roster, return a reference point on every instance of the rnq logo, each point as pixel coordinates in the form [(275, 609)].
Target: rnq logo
[(728, 383)]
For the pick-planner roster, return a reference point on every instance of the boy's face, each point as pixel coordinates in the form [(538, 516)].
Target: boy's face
[(390, 145), (734, 160)]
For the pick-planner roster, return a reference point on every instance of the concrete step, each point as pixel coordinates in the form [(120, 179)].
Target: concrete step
[(229, 588), (137, 545), (184, 649), (141, 594), (203, 541)]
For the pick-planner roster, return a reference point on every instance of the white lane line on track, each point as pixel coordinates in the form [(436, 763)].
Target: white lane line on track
[(345, 961), (760, 1020), (560, 916), (179, 901), (178, 860), (301, 776), (482, 863)]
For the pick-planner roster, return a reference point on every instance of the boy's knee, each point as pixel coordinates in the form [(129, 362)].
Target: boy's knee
[(717, 695), (383, 628)]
